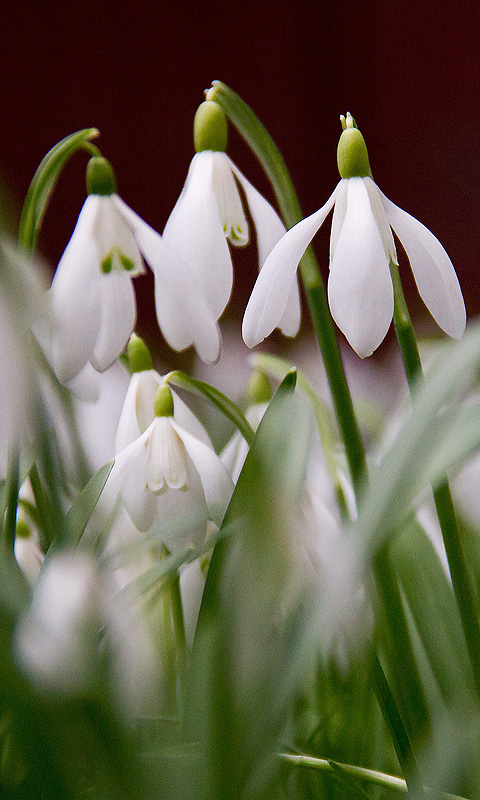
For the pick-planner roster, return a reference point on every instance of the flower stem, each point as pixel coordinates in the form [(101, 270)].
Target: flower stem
[(364, 775), (261, 143), (461, 579)]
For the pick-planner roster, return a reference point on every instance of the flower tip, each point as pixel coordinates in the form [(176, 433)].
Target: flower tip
[(210, 127), (139, 358), (352, 153), (100, 177), (163, 402), (258, 389)]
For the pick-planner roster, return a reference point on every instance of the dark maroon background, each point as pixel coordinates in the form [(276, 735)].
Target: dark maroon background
[(409, 72)]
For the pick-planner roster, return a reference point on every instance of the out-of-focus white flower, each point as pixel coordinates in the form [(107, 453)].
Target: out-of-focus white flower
[(209, 211), (360, 289), (92, 296), (75, 615), (57, 638), (169, 474)]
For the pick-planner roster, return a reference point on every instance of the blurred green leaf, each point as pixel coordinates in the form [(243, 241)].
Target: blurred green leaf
[(80, 512)]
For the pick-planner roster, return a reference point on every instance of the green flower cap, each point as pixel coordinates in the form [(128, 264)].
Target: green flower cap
[(100, 176), (259, 389), (352, 154), (139, 358), (163, 403), (210, 127), (22, 531)]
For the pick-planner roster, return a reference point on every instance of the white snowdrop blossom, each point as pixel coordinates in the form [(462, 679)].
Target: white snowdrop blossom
[(138, 407), (92, 295), (209, 211), (360, 289), (169, 474), (236, 450)]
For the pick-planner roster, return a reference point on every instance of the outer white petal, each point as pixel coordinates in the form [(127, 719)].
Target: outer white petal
[(75, 297), (137, 411), (270, 229), (432, 269), (216, 482), (360, 291), (118, 314), (195, 232), (272, 290), (338, 214), (182, 310), (129, 475)]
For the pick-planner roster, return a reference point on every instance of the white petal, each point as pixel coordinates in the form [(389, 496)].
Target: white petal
[(114, 236), (216, 482), (291, 317), (118, 314), (272, 290), (378, 209), (166, 457), (195, 232), (433, 271), (130, 475), (137, 411), (74, 298), (338, 214), (229, 202), (360, 291), (268, 225), (183, 314), (270, 229)]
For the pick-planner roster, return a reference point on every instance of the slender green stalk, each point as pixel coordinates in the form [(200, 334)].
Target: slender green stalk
[(461, 578), (364, 775), (260, 142)]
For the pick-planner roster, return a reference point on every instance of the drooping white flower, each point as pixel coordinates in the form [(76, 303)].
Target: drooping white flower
[(360, 289), (60, 639), (92, 296), (209, 211), (169, 474), (138, 407)]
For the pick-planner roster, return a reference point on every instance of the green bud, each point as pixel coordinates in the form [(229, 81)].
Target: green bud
[(163, 403), (22, 530), (259, 389), (139, 357), (100, 176), (210, 127), (352, 154)]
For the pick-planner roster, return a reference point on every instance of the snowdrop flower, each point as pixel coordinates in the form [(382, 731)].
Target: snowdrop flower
[(360, 290), (92, 296), (60, 639), (209, 211), (138, 407), (169, 474)]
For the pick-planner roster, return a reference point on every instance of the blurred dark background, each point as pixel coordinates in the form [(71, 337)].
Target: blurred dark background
[(409, 72)]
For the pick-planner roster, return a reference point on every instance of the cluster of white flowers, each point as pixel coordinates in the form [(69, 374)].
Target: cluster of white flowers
[(168, 485)]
